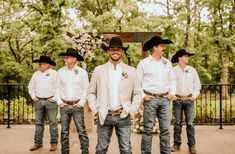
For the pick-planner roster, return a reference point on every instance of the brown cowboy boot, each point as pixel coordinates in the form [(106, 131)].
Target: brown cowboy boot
[(192, 150), (175, 148), (35, 147), (53, 147)]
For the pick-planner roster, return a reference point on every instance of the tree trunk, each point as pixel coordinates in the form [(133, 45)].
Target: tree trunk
[(224, 73), (186, 42)]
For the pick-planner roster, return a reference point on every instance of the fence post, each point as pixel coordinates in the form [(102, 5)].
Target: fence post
[(8, 105), (220, 107)]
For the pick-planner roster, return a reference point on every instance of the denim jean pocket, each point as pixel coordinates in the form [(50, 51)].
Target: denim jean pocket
[(77, 108), (147, 101), (125, 121), (64, 107)]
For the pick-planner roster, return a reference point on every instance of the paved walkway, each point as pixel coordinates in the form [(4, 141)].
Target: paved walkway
[(210, 140)]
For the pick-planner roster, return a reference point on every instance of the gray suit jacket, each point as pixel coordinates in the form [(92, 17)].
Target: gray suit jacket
[(130, 91)]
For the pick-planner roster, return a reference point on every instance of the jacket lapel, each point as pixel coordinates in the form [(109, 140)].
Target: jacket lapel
[(106, 74), (122, 78)]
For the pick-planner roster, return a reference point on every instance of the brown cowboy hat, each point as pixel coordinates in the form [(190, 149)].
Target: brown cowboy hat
[(73, 53), (180, 53), (114, 42), (156, 40), (45, 59)]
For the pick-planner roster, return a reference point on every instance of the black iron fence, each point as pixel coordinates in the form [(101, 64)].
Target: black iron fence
[(214, 106)]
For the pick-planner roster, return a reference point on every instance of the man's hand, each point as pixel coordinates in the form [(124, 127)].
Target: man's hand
[(51, 100), (77, 105), (192, 98), (176, 98), (170, 96), (35, 99), (62, 105), (148, 97)]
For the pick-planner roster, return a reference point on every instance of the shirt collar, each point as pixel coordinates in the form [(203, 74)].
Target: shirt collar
[(111, 65), (74, 68), (153, 59), (47, 71), (185, 68)]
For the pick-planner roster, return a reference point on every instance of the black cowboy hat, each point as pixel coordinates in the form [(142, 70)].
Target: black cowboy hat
[(73, 53), (180, 53), (114, 42), (156, 40), (45, 59)]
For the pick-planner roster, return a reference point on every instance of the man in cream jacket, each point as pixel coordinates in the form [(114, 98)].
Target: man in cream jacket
[(115, 95)]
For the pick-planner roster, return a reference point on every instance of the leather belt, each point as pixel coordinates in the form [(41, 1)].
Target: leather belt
[(184, 97), (43, 98), (162, 95), (70, 102), (114, 113)]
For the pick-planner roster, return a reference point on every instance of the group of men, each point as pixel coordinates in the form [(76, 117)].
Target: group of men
[(115, 93)]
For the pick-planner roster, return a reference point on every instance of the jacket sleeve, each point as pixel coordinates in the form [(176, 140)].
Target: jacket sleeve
[(137, 95)]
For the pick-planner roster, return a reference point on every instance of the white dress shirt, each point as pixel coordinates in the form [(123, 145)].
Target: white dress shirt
[(188, 81), (42, 84), (156, 76), (115, 76), (72, 85)]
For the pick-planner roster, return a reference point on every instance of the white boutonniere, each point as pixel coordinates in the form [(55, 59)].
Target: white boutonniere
[(76, 72), (124, 75), (48, 74), (164, 62)]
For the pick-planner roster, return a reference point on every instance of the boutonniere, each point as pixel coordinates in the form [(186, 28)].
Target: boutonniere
[(124, 75), (48, 74), (164, 62), (76, 71)]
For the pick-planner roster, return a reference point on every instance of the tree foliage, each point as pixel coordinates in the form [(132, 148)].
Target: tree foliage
[(30, 28)]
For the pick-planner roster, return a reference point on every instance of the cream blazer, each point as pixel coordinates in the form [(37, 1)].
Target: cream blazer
[(129, 91)]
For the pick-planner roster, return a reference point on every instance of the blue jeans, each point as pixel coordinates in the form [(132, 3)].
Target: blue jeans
[(186, 106), (43, 108), (161, 108), (123, 131), (66, 113)]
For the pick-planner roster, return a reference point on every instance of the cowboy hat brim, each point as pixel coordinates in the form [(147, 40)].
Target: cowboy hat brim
[(152, 42), (105, 48), (175, 57), (45, 61), (79, 57)]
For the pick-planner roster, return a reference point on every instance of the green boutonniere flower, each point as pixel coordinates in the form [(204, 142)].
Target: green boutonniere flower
[(76, 71), (164, 62), (124, 75)]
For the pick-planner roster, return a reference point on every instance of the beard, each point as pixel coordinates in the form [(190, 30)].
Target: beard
[(115, 57)]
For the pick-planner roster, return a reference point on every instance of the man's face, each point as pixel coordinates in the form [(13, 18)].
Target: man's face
[(44, 66), (115, 53), (69, 60), (159, 49), (184, 59)]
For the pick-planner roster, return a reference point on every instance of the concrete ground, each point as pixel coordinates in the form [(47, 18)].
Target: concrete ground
[(209, 140)]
